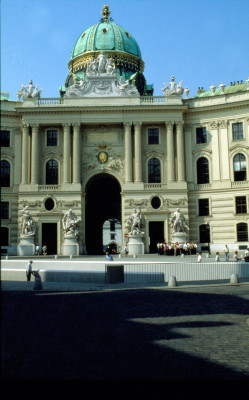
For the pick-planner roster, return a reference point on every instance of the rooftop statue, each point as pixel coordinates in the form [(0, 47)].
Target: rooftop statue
[(178, 222), (135, 222), (27, 224), (29, 91), (173, 88), (69, 223), (101, 79)]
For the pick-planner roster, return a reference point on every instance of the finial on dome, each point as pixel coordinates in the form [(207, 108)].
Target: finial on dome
[(106, 13)]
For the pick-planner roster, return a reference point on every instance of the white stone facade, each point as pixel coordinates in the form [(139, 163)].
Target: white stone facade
[(118, 129)]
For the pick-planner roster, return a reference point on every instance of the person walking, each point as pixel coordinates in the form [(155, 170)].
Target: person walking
[(200, 257), (226, 251), (29, 270), (37, 250)]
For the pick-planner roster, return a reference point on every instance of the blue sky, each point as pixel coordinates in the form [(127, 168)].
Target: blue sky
[(200, 42)]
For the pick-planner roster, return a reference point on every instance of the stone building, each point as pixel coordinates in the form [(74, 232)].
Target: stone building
[(106, 145)]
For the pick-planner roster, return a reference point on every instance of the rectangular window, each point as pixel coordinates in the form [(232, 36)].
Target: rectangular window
[(201, 135), (52, 137), (153, 136), (241, 205), (4, 209), (5, 138), (203, 207), (237, 131)]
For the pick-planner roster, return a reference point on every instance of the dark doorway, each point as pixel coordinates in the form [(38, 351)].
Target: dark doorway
[(156, 234), (49, 237), (103, 201)]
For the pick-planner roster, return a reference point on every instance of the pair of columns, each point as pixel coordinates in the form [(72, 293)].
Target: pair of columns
[(170, 152), (35, 153), (67, 153), (137, 152)]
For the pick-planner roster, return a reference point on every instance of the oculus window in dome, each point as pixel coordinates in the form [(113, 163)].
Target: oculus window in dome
[(118, 44)]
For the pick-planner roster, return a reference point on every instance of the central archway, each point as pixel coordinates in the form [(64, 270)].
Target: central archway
[(102, 202)]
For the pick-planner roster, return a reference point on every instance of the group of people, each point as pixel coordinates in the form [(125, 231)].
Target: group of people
[(44, 250), (176, 249), (236, 256)]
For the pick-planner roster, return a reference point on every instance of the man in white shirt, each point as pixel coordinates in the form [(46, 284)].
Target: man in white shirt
[(226, 251)]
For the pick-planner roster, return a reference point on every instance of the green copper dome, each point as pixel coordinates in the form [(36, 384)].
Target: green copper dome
[(117, 43), (106, 36)]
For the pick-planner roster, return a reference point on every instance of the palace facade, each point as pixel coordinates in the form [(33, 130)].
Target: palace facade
[(106, 146)]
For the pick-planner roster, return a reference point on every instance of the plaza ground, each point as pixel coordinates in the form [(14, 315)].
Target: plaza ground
[(118, 333)]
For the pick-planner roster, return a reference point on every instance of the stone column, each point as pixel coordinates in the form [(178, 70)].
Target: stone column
[(138, 152), (34, 154), (170, 152), (76, 153), (188, 153), (25, 132), (180, 152), (128, 152), (67, 154)]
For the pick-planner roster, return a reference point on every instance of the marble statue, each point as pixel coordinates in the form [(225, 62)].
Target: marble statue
[(101, 79), (29, 91), (135, 222), (178, 222), (27, 224), (69, 223), (173, 88), (101, 60)]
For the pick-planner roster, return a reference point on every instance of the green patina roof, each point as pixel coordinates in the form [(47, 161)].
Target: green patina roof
[(234, 88), (106, 36)]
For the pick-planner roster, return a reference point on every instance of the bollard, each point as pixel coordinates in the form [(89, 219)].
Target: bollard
[(207, 255), (134, 256), (234, 279), (172, 281), (55, 256), (119, 256), (71, 256), (182, 255), (7, 257)]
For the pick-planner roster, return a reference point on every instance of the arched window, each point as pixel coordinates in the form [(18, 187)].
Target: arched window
[(239, 167), (5, 173), (202, 170), (52, 172), (242, 232), (4, 236), (204, 231), (154, 171)]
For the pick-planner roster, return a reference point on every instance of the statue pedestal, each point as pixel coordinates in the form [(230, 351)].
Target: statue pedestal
[(179, 237), (26, 246), (135, 245), (70, 246)]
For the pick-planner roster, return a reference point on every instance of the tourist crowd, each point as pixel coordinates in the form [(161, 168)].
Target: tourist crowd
[(176, 249)]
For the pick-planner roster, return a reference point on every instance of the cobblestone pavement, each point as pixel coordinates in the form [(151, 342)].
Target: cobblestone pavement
[(191, 333)]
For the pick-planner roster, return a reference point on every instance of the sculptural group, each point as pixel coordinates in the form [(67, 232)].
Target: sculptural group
[(29, 91)]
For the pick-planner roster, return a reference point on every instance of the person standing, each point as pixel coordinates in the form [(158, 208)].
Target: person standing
[(37, 250), (200, 257), (226, 251), (217, 258), (29, 270), (108, 256)]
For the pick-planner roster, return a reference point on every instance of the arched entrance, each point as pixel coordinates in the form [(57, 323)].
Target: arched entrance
[(103, 201)]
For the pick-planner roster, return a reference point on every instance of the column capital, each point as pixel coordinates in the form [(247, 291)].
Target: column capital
[(25, 126), (169, 124), (76, 124), (137, 124), (127, 124), (66, 125), (34, 127), (179, 124)]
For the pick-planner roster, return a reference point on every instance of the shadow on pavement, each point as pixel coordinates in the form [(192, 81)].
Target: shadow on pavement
[(116, 335)]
